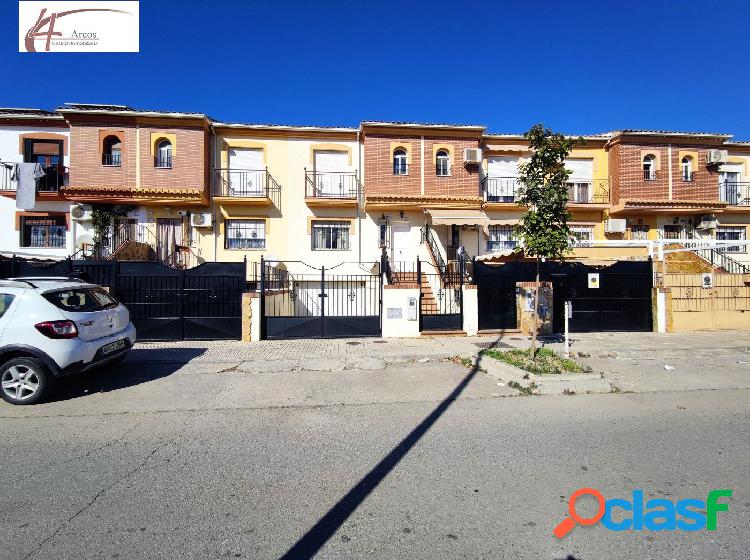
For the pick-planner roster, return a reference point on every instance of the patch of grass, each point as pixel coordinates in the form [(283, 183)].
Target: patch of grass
[(546, 363)]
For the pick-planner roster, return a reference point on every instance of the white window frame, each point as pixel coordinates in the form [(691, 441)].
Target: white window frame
[(687, 169), (330, 238), (649, 165), (400, 162), (503, 237), (741, 230), (164, 154), (443, 163), (581, 234)]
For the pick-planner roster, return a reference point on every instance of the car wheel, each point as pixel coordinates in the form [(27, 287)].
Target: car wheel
[(25, 380)]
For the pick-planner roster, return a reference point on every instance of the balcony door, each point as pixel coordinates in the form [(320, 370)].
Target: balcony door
[(729, 184), (246, 172), (170, 236), (329, 167), (501, 178), (48, 154), (580, 179)]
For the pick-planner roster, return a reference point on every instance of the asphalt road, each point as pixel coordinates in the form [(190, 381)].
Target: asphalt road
[(186, 462)]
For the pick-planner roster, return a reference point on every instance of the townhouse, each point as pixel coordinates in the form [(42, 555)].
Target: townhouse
[(41, 226)]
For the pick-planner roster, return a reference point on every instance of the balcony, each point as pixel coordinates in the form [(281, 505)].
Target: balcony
[(112, 160), (246, 186), (734, 193), (331, 188), (499, 189), (55, 177), (593, 191)]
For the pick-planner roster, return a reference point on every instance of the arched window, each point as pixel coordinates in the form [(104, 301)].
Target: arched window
[(649, 167), (112, 151), (687, 169), (442, 163), (163, 154), (400, 166)]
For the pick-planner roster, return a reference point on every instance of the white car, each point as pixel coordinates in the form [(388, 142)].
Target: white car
[(53, 327)]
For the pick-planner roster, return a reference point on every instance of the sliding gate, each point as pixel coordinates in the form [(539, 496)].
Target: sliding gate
[(311, 302)]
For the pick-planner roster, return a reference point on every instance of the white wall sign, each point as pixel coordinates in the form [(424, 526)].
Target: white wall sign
[(394, 313), (593, 279)]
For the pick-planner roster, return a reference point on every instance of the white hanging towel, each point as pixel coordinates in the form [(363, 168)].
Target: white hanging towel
[(26, 177)]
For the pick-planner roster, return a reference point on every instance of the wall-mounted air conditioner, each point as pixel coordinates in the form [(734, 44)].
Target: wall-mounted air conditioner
[(615, 225), (201, 219), (472, 155), (707, 222), (718, 156), (81, 212)]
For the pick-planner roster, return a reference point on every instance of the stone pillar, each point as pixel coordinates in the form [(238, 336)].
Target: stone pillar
[(250, 317), (400, 311), (471, 310)]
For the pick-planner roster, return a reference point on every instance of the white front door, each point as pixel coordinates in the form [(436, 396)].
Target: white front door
[(329, 167), (246, 171), (403, 246)]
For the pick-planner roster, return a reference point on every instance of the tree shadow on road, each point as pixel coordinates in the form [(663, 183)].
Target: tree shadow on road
[(149, 366), (312, 541)]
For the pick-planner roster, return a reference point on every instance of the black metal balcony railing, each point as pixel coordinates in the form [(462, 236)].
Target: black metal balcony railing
[(163, 161), (594, 191), (112, 160), (649, 175), (687, 177), (400, 168), (55, 177), (244, 183), (501, 246), (735, 193), (331, 184), (499, 189)]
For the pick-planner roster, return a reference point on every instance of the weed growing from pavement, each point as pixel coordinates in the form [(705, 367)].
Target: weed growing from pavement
[(521, 388), (547, 362), (466, 362)]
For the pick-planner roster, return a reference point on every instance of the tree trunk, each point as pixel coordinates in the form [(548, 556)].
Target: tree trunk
[(535, 327)]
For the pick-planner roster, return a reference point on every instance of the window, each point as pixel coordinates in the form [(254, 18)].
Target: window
[(330, 236), (400, 166), (501, 238), (579, 192), (5, 301), (245, 234), (639, 232), (649, 167), (81, 300), (112, 154), (48, 154), (442, 163), (582, 234), (731, 233), (687, 169), (43, 231), (163, 154)]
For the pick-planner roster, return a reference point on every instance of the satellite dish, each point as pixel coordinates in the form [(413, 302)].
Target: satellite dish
[(84, 239)]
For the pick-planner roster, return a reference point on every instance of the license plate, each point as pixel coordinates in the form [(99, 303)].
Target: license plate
[(112, 346)]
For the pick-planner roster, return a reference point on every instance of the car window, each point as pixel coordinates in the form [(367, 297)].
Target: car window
[(5, 301), (81, 300)]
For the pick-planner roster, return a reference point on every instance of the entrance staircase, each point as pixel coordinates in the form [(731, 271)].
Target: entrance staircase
[(700, 260)]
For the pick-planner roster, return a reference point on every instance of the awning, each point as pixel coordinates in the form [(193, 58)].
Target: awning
[(507, 148), (458, 217)]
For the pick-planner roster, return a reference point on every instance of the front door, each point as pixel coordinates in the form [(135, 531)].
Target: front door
[(404, 252), (170, 236)]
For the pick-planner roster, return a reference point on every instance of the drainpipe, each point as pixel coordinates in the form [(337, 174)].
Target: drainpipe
[(212, 164), (360, 196)]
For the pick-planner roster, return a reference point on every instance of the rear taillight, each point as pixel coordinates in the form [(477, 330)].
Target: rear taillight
[(57, 329)]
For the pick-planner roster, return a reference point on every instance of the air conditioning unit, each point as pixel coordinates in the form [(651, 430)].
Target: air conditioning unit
[(718, 156), (472, 155), (615, 225), (201, 219), (707, 222), (81, 213)]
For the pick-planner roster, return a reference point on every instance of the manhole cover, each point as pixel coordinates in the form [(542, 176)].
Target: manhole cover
[(492, 345), (354, 343)]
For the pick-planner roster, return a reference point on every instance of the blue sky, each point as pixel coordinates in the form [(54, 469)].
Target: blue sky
[(577, 66)]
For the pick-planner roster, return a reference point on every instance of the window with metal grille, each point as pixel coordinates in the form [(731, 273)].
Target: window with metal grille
[(582, 234), (43, 231), (501, 238), (639, 231), (330, 236), (245, 234), (731, 233)]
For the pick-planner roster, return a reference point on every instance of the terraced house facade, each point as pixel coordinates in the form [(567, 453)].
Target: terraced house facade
[(420, 203)]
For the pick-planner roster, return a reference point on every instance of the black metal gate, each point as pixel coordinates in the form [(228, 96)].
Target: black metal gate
[(440, 296), (318, 302), (201, 303), (621, 300)]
